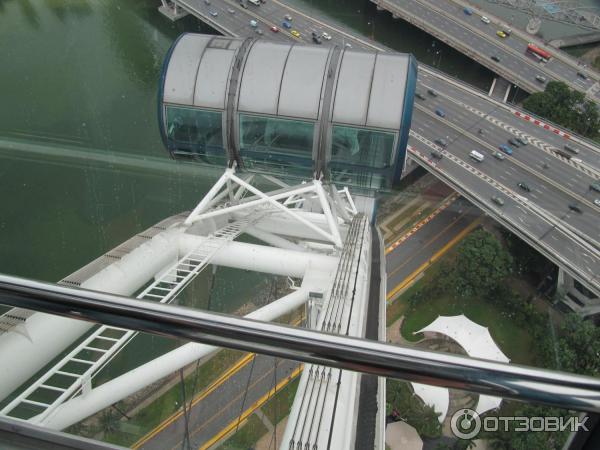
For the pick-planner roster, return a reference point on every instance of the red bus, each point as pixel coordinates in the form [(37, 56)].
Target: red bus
[(538, 51)]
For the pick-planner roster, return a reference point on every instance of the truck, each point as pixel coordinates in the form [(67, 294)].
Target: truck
[(476, 155)]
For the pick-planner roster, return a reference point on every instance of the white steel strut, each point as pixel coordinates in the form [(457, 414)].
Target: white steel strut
[(77, 369)]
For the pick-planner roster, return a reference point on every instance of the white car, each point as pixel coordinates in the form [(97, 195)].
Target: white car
[(597, 202), (485, 19), (326, 36)]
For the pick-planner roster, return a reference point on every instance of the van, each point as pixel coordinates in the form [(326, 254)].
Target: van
[(476, 155), (571, 148)]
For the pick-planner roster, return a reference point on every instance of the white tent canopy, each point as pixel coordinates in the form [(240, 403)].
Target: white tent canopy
[(477, 342), (434, 396), (473, 338)]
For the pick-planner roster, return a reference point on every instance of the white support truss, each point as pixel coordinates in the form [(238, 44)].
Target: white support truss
[(76, 370)]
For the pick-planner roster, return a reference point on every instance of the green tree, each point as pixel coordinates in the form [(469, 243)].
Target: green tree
[(564, 106), (481, 264), (579, 346), (404, 405)]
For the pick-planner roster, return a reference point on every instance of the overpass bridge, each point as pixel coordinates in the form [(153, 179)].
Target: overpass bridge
[(447, 21), (555, 181)]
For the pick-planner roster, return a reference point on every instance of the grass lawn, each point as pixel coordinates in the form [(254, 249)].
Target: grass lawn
[(279, 406), (246, 436)]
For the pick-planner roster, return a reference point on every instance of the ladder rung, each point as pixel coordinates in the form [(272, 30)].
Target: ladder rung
[(52, 388), (67, 374), (31, 402), (152, 295), (162, 289), (82, 361), (105, 338), (95, 349)]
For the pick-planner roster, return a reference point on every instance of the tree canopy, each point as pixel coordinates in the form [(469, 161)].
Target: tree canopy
[(564, 106)]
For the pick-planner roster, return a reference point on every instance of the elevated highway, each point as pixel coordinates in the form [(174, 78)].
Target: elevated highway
[(542, 216), (447, 21)]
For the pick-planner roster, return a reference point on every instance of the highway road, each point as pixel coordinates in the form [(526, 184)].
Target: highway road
[(214, 411), (446, 20), (542, 216)]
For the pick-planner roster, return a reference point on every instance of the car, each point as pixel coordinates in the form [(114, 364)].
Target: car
[(316, 39), (498, 201), (441, 142), (348, 45), (481, 131), (253, 23), (286, 24), (437, 154), (501, 33), (499, 156), (521, 141), (326, 36), (288, 17), (540, 78), (231, 10), (420, 96), (575, 207), (432, 92), (440, 112), (207, 2), (243, 4), (495, 58), (274, 29), (507, 31), (258, 31), (214, 13), (595, 186), (524, 186), (485, 19), (582, 75), (295, 33), (513, 142), (506, 149), (468, 11), (597, 202)]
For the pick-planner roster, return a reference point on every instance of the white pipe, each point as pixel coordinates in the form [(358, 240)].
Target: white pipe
[(333, 226), (260, 258), (118, 388), (46, 335), (274, 240)]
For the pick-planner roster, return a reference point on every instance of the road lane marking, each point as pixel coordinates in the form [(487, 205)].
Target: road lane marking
[(261, 401), (431, 260)]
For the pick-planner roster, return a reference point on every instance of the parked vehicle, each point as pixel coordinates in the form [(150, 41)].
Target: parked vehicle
[(571, 148), (441, 142), (476, 156), (498, 201), (524, 186)]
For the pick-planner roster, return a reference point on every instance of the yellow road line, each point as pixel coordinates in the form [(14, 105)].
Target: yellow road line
[(434, 258), (257, 404), (215, 384)]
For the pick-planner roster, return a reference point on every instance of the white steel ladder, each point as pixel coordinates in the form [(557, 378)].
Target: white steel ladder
[(76, 369)]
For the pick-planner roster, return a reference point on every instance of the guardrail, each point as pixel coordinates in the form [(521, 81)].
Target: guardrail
[(453, 371)]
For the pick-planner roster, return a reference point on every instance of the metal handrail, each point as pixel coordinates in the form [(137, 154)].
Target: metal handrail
[(442, 369)]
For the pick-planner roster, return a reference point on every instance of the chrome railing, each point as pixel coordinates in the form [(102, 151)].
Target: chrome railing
[(512, 381)]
